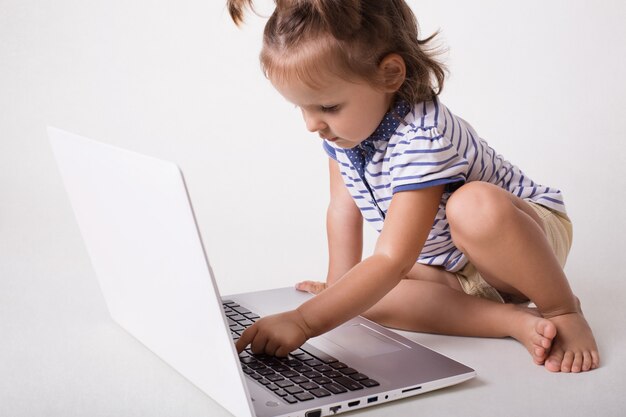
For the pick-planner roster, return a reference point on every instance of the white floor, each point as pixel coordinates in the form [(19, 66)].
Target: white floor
[(62, 356)]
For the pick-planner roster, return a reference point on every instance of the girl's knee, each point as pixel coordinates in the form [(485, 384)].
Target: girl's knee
[(477, 210)]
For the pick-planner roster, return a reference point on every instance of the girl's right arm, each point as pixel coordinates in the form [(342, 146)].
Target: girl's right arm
[(344, 227)]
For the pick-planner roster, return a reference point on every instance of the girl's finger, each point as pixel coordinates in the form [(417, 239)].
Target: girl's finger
[(246, 337), (314, 287), (258, 344)]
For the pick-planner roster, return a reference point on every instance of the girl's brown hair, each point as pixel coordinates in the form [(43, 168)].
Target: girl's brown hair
[(304, 38)]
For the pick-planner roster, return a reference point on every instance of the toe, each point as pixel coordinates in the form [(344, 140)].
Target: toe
[(553, 363), (578, 362), (595, 359), (568, 359), (540, 341), (547, 329), (539, 355), (586, 361)]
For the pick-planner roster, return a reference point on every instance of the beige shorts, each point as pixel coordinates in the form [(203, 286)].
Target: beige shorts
[(558, 228)]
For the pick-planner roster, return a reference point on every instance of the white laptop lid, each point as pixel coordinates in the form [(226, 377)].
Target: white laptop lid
[(157, 282)]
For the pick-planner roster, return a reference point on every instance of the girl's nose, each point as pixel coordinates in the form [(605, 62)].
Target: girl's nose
[(313, 123)]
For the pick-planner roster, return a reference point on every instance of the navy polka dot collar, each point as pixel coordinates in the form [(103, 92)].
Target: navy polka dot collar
[(363, 153)]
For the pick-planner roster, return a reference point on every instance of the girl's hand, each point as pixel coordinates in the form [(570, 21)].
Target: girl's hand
[(275, 335), (313, 287)]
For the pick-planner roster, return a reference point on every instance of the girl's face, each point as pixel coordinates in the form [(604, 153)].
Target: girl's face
[(340, 111)]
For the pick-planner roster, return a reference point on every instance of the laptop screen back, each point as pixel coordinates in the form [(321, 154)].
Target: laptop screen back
[(140, 232)]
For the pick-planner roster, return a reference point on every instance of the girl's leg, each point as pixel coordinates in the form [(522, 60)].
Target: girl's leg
[(430, 300), (504, 238)]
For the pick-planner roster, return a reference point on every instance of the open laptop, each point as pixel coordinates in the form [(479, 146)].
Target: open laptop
[(140, 231)]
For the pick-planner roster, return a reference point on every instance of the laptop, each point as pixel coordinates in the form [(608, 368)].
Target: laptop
[(140, 231)]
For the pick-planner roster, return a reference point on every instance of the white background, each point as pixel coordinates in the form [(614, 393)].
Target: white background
[(542, 81)]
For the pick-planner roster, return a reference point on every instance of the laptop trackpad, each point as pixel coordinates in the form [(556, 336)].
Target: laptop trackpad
[(361, 340)]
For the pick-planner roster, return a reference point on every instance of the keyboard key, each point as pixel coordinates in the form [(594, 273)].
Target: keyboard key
[(333, 374), (294, 389), (299, 379), (335, 388), (312, 374), (280, 368), (246, 323), (302, 369), (267, 372), (241, 310), (359, 377), (370, 383), (290, 399), (348, 371), (305, 396), (264, 381), (237, 317), (320, 392), (314, 363), (273, 363), (281, 392), (273, 387), (284, 383), (275, 377), (297, 352), (351, 384), (323, 368), (289, 373), (264, 358), (322, 380), (338, 365), (309, 386)]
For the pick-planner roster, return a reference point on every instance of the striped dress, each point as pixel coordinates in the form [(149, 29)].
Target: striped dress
[(422, 146)]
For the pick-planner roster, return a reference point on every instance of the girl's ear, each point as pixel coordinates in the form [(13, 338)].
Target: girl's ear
[(392, 71)]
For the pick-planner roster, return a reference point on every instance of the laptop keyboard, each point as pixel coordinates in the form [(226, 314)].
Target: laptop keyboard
[(303, 375)]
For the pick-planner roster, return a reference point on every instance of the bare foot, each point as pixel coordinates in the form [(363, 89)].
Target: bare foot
[(574, 348), (534, 332)]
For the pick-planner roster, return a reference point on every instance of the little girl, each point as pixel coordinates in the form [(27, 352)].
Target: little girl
[(466, 240)]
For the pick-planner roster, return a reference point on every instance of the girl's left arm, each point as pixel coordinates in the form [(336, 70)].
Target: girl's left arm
[(408, 222)]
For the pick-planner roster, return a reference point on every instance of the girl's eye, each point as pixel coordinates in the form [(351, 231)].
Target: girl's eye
[(329, 109)]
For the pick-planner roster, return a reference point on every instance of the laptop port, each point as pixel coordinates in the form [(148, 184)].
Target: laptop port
[(314, 413), (354, 403), (372, 399), (335, 408)]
